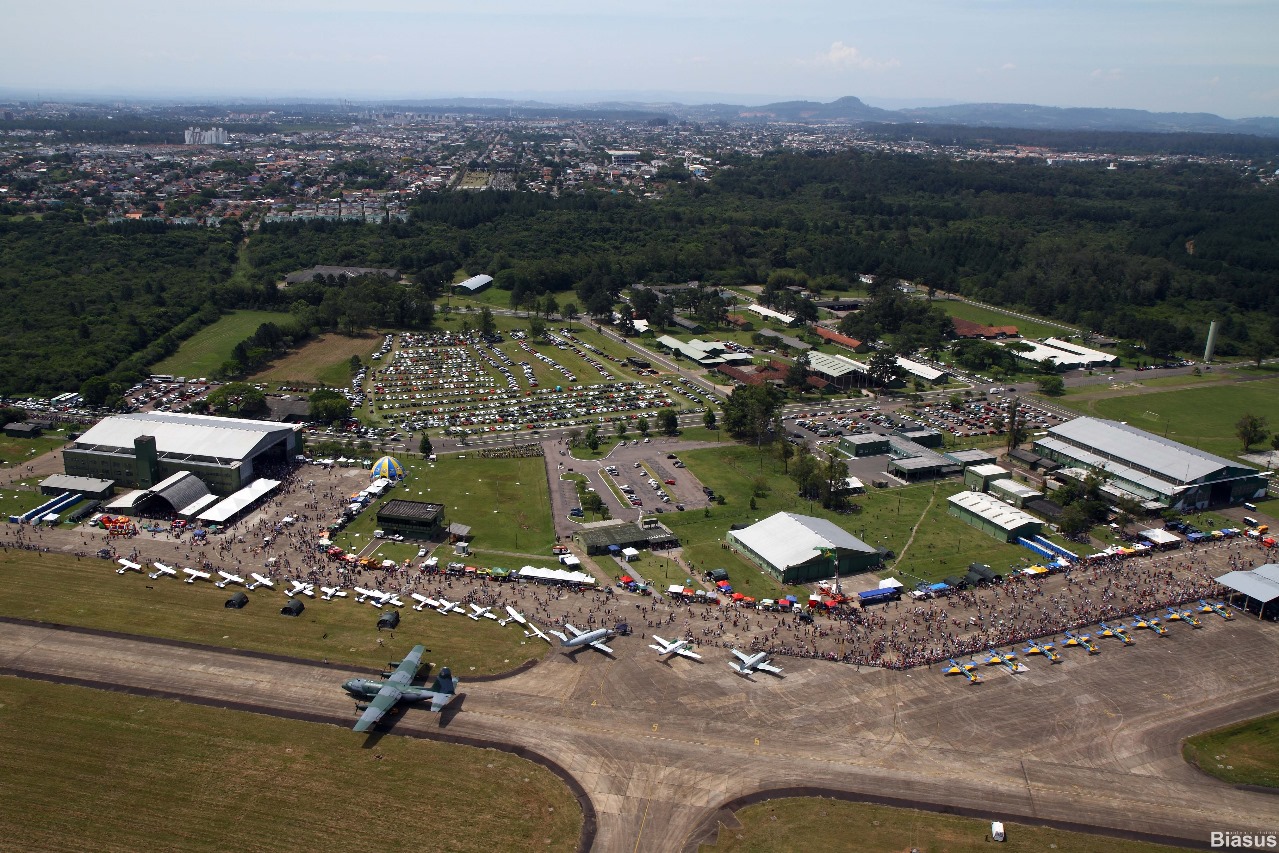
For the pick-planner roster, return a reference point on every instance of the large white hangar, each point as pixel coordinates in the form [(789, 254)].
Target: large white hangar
[(801, 548), (1149, 467), (145, 449)]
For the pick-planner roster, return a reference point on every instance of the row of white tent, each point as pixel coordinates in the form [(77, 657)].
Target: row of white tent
[(556, 575)]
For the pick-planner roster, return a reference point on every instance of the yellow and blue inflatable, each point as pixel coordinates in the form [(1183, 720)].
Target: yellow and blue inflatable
[(388, 467)]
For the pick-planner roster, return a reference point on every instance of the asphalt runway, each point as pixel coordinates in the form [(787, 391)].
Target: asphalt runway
[(661, 747)]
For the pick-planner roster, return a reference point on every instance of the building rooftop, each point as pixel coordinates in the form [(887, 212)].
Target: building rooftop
[(991, 509), (1126, 445), (787, 539), (180, 434), (410, 510)]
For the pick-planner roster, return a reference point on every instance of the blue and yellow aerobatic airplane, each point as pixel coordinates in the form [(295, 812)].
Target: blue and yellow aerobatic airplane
[(1117, 632), (1215, 607), (954, 667), (1008, 660), (1187, 616), (1045, 649), (1082, 641), (399, 688), (1150, 623)]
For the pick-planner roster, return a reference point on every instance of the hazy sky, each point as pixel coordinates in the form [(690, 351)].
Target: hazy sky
[(1182, 55)]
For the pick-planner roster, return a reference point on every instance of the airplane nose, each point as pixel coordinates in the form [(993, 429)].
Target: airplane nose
[(349, 686)]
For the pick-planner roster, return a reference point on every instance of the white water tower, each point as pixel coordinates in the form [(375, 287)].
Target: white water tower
[(1212, 342)]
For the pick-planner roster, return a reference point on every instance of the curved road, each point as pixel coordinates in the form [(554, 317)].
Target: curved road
[(661, 748)]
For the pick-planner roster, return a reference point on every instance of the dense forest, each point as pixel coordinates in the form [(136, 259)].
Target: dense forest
[(1150, 253)]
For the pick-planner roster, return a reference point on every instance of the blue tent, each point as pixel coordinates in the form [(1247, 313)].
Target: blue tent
[(388, 467)]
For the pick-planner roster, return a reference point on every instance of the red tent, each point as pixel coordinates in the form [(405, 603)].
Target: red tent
[(626, 579), (737, 596)]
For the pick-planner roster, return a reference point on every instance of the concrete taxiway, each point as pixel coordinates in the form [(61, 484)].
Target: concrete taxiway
[(660, 747)]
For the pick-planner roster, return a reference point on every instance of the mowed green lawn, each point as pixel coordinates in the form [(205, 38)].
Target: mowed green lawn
[(1200, 417), (86, 769), (25, 449), (88, 593), (203, 353), (977, 314), (505, 502), (1243, 754), (834, 826), (942, 546)]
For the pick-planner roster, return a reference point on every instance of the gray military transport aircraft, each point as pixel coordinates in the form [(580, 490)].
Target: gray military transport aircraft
[(399, 688)]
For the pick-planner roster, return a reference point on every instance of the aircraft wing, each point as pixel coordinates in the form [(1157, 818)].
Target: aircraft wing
[(768, 667), (599, 644), (383, 702), (572, 630), (743, 658), (688, 653), (408, 667), (439, 700)]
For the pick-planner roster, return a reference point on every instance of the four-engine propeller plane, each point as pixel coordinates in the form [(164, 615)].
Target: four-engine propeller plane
[(399, 688)]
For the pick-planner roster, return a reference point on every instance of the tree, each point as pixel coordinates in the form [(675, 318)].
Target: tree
[(592, 502), (1259, 348), (1274, 441), (570, 313), (1251, 429), (95, 391), (536, 327), (1075, 521), (424, 446), (797, 373), (668, 421), (237, 400), (1016, 432), (641, 424), (708, 419), (883, 368), (550, 305), (619, 427), (749, 411), (487, 326), (328, 407), (593, 438), (1051, 386)]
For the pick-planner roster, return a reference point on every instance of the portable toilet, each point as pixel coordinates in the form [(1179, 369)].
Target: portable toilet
[(997, 831)]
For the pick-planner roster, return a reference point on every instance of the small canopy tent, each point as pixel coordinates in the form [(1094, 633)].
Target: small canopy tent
[(388, 468)]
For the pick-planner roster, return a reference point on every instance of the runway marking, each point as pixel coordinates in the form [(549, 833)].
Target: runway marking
[(654, 726), (641, 829), (757, 741)]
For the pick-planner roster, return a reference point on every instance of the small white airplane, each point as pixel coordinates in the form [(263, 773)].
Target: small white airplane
[(423, 601), (478, 612), (392, 598), (194, 575), (227, 578), (751, 663), (162, 570), (127, 566), (678, 647), (260, 580), (595, 639), (372, 596), (515, 616), (534, 631), (299, 588), (447, 606), (332, 592)]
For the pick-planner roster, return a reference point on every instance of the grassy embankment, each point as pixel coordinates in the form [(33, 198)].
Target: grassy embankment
[(205, 351), (1243, 754), (91, 770)]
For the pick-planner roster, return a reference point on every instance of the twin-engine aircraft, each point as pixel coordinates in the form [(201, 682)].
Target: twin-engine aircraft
[(399, 688), (752, 663), (595, 639), (683, 648)]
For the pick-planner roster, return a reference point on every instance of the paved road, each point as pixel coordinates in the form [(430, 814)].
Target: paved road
[(661, 747)]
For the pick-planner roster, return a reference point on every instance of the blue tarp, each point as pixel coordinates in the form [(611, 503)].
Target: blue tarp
[(612, 549), (870, 596), (1036, 547)]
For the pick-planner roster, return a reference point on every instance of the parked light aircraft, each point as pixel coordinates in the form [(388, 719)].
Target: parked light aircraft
[(332, 592), (1150, 623), (423, 601), (161, 570), (1215, 607), (684, 648), (1117, 632), (447, 606), (534, 631), (372, 596), (1008, 660), (227, 578), (750, 663), (194, 575), (478, 612), (127, 566), (1083, 641), (513, 615), (299, 588), (595, 639), (1187, 616), (399, 688), (1045, 649), (954, 667), (260, 580)]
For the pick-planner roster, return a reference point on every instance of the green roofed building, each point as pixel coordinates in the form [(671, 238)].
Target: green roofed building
[(800, 548), (1006, 523), (412, 519)]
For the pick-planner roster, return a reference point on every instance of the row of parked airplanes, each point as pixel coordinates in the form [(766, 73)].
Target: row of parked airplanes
[(1008, 660), (570, 638)]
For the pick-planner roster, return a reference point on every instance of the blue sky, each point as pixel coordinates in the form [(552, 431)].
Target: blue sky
[(1178, 55)]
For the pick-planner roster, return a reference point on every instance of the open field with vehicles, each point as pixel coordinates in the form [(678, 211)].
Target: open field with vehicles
[(504, 501), (1242, 754), (323, 361), (827, 826), (205, 351), (1200, 417), (87, 592), (107, 771)]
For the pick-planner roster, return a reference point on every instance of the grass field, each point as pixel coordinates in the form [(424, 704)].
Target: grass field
[(91, 770), (978, 314), (22, 449), (1242, 754), (835, 826), (943, 545), (504, 501), (323, 361), (88, 593), (1200, 417), (205, 351)]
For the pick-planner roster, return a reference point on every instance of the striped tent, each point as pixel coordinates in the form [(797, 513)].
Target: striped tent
[(388, 467)]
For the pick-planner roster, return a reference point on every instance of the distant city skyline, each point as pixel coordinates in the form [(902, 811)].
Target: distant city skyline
[(1161, 55)]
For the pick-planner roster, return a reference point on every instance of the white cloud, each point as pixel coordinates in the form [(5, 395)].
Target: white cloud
[(844, 56), (1008, 66), (1108, 74)]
